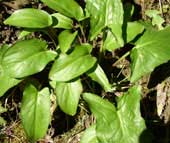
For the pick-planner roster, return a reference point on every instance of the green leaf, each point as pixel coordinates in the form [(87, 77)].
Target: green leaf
[(121, 125), (29, 18), (89, 136), (68, 8), (110, 43), (61, 21), (35, 112), (23, 34), (151, 50), (68, 67), (68, 94), (26, 58), (156, 18), (6, 81), (65, 40), (105, 13), (133, 29), (99, 76)]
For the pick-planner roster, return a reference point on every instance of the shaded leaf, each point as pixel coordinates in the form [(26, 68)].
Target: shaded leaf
[(99, 76), (35, 112), (29, 18), (61, 21), (68, 94), (68, 8), (65, 40), (89, 136), (23, 58), (68, 67), (151, 50), (105, 13), (121, 125)]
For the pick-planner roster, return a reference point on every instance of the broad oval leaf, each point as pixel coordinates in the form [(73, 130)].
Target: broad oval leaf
[(29, 18), (121, 125), (68, 94), (68, 67), (6, 82), (26, 58), (65, 40), (35, 112), (89, 135), (105, 13), (68, 8), (100, 77), (151, 50), (61, 21)]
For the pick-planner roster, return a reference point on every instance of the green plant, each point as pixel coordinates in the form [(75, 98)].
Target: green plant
[(75, 33)]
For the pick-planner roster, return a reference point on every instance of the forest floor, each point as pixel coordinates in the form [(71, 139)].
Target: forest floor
[(70, 128)]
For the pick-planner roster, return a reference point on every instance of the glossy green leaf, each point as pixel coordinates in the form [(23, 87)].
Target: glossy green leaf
[(61, 21), (68, 67), (89, 136), (68, 8), (123, 124), (151, 50), (35, 112), (99, 76), (133, 29), (26, 58), (105, 13), (110, 43), (6, 82), (65, 40), (29, 18), (68, 94)]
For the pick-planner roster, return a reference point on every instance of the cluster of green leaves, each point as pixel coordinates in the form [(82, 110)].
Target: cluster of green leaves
[(71, 57)]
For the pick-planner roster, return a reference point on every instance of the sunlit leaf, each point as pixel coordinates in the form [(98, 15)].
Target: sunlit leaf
[(35, 112), (65, 39), (156, 18), (68, 67), (133, 29), (99, 76), (123, 124), (68, 8), (89, 136), (61, 21), (110, 43), (29, 18), (6, 82), (151, 50), (23, 58), (105, 13), (68, 94)]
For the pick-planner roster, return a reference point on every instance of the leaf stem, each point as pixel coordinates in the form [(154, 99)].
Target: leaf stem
[(83, 34), (121, 58)]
